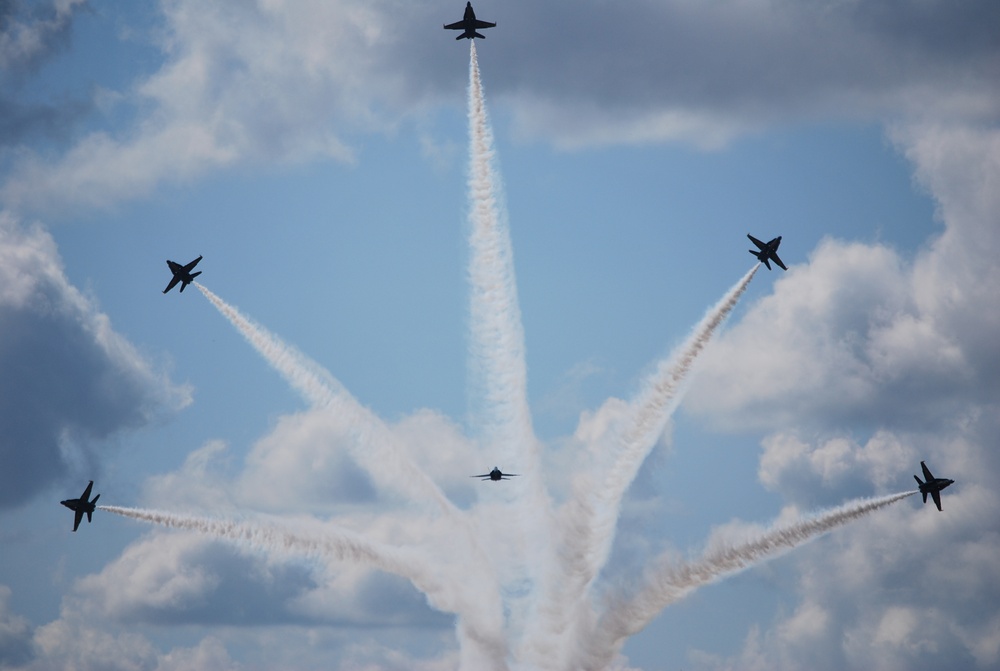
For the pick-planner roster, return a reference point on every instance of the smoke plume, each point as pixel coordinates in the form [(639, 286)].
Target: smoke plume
[(669, 582)]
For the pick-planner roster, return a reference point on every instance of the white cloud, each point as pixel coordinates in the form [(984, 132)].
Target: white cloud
[(269, 82), (72, 381), (905, 352)]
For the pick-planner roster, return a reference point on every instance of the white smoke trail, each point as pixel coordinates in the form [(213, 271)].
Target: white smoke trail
[(669, 582), (374, 447), (306, 376), (497, 346), (590, 517), (497, 355), (651, 409), (343, 545)]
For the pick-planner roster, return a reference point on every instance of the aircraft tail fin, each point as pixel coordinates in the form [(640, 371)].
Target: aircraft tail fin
[(194, 275), (89, 513), (920, 483), (95, 498), (480, 35)]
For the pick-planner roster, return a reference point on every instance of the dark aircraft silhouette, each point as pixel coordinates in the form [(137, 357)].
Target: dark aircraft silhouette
[(768, 251), (182, 274), (933, 486), (494, 475), (469, 24), (82, 505)]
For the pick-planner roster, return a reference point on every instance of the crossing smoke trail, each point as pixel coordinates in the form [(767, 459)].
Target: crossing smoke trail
[(535, 601), (345, 546), (591, 515), (668, 583), (374, 447)]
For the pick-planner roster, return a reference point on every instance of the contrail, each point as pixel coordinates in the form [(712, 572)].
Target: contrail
[(497, 347), (307, 377), (373, 447), (497, 354), (342, 545), (670, 582), (650, 410), (590, 517)]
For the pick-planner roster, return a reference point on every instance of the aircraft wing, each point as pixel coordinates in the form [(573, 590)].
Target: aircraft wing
[(86, 492), (937, 498), (458, 25), (189, 267), (173, 283), (484, 475), (774, 257), (78, 518), (928, 477), (484, 24), (760, 245)]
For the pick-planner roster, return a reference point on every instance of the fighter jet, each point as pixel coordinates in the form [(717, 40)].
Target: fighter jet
[(932, 486), (469, 24), (82, 505), (182, 274), (768, 251), (495, 475)]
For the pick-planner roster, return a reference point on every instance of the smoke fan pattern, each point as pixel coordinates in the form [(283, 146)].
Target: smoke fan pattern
[(535, 607)]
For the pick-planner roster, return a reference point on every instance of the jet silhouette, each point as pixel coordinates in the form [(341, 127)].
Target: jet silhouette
[(469, 24), (768, 251), (932, 486), (82, 505), (495, 475), (182, 274)]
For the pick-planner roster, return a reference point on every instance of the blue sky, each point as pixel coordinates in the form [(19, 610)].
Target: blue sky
[(316, 154)]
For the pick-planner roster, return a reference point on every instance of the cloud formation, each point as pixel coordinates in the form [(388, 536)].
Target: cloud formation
[(905, 350), (296, 81), (70, 381)]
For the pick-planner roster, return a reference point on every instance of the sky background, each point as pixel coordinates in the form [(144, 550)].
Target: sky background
[(316, 153)]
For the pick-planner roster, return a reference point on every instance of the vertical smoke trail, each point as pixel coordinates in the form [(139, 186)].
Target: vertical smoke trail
[(342, 545), (497, 335), (668, 582), (592, 514)]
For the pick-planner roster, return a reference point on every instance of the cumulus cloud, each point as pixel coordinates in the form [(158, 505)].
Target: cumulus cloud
[(861, 335), (293, 81), (184, 578), (904, 352), (15, 634), (70, 381)]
